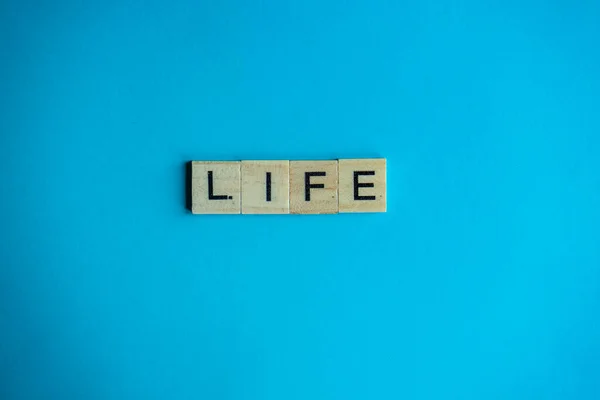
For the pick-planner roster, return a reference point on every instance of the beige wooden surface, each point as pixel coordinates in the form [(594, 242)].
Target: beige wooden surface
[(348, 203), (254, 187), (226, 182), (322, 200)]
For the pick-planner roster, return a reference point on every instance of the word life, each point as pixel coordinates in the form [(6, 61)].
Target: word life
[(288, 187)]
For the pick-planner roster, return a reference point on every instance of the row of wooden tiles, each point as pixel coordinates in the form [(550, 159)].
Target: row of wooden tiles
[(288, 187)]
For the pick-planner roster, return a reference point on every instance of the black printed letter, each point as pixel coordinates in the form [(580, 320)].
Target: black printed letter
[(211, 196), (308, 185), (359, 185), (268, 186)]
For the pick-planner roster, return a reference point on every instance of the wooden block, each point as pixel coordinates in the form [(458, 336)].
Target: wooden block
[(313, 187), (216, 187), (265, 187), (362, 185)]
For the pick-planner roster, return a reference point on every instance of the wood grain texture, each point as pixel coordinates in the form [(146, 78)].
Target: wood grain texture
[(362, 185), (265, 187), (322, 197), (226, 190)]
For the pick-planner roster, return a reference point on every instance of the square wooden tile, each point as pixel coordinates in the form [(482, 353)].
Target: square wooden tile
[(216, 187), (362, 185), (313, 187), (265, 187)]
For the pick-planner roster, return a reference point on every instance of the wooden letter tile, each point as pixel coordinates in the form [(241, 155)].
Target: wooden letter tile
[(265, 187), (313, 187), (362, 185), (216, 187)]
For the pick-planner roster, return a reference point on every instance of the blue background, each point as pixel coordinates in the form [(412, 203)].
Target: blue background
[(481, 282)]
